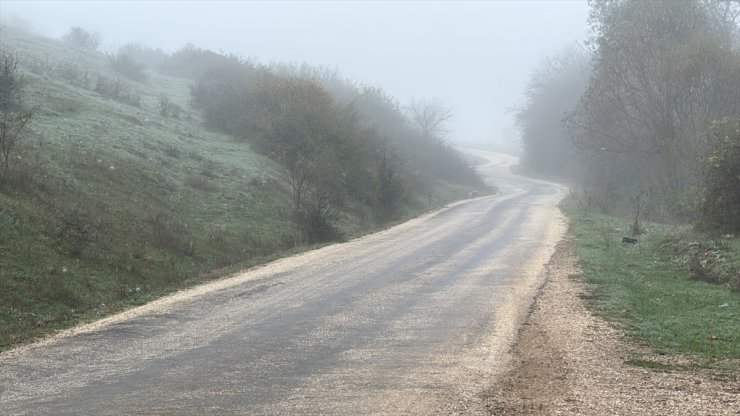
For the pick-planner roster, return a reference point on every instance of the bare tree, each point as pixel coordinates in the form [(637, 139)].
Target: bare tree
[(431, 117), (663, 71), (12, 126), (12, 121), (554, 88), (11, 82)]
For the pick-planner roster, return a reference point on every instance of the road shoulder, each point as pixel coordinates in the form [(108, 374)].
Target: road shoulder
[(568, 361)]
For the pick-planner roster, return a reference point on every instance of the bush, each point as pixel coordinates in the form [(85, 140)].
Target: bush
[(117, 91), (12, 121), (12, 130), (125, 64), (315, 220), (11, 82), (149, 57), (73, 74), (82, 39), (169, 109), (193, 63), (721, 199)]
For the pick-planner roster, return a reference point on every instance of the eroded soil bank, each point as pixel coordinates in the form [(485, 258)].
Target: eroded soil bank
[(569, 362)]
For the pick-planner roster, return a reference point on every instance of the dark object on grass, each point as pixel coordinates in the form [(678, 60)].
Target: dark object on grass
[(629, 241)]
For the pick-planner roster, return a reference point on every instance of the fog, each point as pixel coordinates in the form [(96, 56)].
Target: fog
[(475, 57)]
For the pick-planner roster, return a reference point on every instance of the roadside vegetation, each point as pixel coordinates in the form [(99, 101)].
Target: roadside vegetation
[(126, 176), (644, 122), (676, 290)]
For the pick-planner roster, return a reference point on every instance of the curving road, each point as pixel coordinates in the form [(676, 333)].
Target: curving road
[(416, 319)]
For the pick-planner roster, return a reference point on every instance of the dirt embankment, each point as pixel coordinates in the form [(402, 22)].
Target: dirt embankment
[(570, 362)]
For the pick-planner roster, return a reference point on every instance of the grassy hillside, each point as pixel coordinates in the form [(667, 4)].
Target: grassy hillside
[(112, 203)]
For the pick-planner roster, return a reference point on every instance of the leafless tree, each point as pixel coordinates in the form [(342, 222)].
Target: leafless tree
[(554, 89), (431, 117), (13, 121), (663, 71)]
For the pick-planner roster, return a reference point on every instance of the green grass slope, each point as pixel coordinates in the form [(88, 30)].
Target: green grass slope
[(113, 204)]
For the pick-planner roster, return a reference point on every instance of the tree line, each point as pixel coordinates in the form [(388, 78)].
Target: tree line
[(649, 108), (343, 146)]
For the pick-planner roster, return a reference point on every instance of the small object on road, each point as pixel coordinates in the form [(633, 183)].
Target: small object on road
[(629, 241), (724, 305)]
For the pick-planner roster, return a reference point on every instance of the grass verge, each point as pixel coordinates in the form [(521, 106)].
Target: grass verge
[(655, 292)]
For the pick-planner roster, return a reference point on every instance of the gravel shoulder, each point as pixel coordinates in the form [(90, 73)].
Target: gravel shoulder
[(568, 361)]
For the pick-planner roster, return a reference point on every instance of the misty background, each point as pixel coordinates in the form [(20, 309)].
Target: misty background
[(475, 57)]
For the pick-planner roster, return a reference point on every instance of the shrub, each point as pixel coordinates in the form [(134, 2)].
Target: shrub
[(169, 109), (12, 122), (126, 65), (12, 126), (11, 82), (720, 209), (315, 220), (149, 57), (82, 39), (191, 62), (73, 74), (117, 91)]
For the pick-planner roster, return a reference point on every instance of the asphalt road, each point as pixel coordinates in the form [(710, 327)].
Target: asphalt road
[(417, 319)]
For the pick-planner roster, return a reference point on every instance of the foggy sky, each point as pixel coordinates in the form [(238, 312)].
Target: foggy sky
[(473, 56)]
